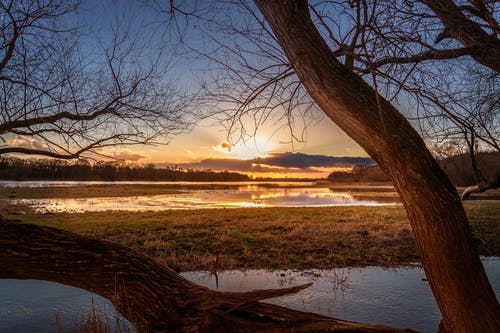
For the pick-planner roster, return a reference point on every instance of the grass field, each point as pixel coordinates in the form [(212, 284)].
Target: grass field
[(276, 238)]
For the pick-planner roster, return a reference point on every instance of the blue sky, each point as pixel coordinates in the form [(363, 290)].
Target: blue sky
[(322, 137)]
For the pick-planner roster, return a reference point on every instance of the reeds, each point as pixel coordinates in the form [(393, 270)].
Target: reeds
[(96, 321)]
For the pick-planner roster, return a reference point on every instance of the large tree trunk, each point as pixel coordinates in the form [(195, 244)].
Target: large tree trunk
[(151, 296), (455, 273)]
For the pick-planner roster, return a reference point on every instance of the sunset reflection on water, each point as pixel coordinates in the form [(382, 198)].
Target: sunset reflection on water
[(242, 196)]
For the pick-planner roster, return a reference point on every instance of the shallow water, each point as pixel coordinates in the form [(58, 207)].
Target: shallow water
[(239, 194), (32, 306), (396, 297)]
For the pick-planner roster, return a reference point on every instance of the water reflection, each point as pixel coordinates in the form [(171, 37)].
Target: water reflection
[(394, 297), (241, 196)]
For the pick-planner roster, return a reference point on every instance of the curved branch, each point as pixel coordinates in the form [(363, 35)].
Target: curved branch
[(7, 126), (30, 151), (67, 155)]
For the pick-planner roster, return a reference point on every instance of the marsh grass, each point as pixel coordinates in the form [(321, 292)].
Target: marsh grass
[(275, 238)]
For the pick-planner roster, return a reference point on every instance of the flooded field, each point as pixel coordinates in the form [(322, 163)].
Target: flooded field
[(195, 196), (395, 297)]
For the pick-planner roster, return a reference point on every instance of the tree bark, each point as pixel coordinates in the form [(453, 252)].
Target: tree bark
[(151, 296), (486, 48), (453, 268)]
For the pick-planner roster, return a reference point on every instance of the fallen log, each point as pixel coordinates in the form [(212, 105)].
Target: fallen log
[(481, 187), (153, 297)]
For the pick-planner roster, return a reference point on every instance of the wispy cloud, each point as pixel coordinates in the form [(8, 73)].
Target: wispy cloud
[(129, 156), (27, 142), (191, 155), (122, 154)]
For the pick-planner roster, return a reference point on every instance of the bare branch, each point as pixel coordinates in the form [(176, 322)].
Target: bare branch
[(425, 56)]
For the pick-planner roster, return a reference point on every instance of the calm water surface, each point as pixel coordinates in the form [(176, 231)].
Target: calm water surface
[(396, 297), (237, 194)]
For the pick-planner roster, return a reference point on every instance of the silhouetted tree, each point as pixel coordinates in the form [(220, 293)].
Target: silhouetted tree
[(66, 91), (46, 169)]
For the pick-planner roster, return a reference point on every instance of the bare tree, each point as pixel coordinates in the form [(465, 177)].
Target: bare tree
[(466, 22), (465, 111), (395, 46), (68, 92)]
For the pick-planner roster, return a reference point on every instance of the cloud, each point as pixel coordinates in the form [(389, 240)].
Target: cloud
[(128, 155), (226, 146), (281, 163), (190, 153), (27, 142), (276, 168), (223, 147), (302, 161), (122, 154)]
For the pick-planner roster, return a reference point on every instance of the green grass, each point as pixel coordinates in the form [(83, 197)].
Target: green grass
[(279, 238)]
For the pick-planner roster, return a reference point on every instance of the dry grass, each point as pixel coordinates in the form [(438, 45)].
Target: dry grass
[(116, 190), (96, 321), (279, 238), (88, 191)]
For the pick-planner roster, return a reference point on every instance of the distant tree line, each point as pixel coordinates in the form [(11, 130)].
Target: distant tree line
[(48, 169), (458, 168), (359, 174)]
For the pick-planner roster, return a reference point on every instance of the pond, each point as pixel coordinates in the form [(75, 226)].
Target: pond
[(193, 195), (396, 297)]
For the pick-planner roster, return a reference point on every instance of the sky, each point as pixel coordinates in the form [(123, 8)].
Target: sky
[(207, 144), (207, 140), (149, 40), (207, 147), (215, 61)]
